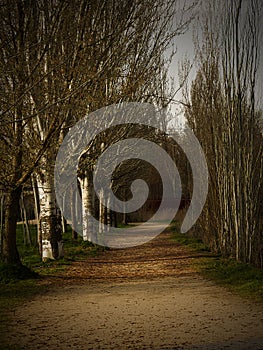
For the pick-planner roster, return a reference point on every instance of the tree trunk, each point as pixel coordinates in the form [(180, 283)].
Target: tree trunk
[(87, 206), (10, 252), (114, 219), (124, 215), (74, 216), (1, 221), (49, 219), (25, 222), (37, 210), (63, 220)]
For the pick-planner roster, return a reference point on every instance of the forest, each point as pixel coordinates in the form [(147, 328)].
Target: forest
[(63, 60)]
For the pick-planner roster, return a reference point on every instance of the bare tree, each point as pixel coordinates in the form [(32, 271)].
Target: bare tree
[(141, 76), (224, 116), (60, 60), (16, 81)]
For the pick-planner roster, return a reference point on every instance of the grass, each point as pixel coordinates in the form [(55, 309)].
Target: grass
[(32, 265), (242, 279), (74, 250), (129, 225), (186, 240), (31, 260), (11, 273)]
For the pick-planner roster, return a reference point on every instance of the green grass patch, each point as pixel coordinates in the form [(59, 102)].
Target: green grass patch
[(32, 264), (31, 259), (29, 255), (186, 240), (11, 273), (239, 277), (129, 225), (74, 250)]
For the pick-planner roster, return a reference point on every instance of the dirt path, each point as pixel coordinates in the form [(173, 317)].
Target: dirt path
[(147, 297)]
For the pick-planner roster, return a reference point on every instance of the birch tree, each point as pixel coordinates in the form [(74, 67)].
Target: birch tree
[(17, 164), (46, 49), (121, 46), (59, 60), (140, 75)]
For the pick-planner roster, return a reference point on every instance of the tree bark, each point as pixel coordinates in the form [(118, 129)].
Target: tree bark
[(28, 239), (10, 252), (49, 219), (37, 210), (1, 221), (87, 206), (74, 216)]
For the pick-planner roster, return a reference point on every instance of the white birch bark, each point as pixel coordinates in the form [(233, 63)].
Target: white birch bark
[(49, 217), (36, 209), (87, 207), (74, 215)]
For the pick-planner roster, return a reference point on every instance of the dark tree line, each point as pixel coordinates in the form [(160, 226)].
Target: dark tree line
[(225, 111)]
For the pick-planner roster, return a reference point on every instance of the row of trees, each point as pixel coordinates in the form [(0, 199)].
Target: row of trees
[(59, 61), (223, 108), (63, 59)]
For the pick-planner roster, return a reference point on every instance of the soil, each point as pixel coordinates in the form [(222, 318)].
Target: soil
[(146, 297)]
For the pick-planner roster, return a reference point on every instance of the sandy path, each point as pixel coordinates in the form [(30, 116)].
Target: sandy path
[(139, 298)]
